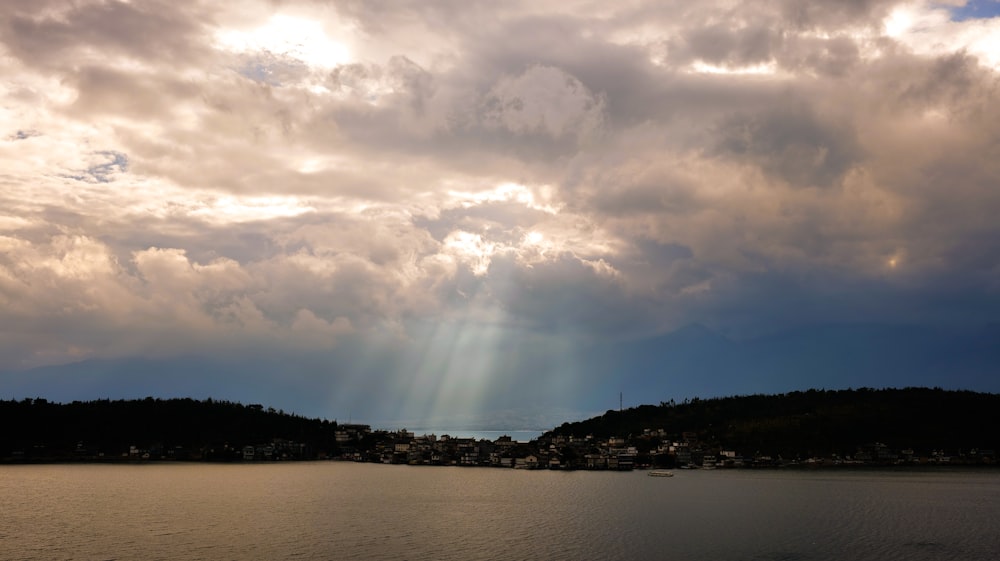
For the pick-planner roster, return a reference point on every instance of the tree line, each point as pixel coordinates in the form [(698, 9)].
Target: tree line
[(817, 423), (39, 429), (813, 423)]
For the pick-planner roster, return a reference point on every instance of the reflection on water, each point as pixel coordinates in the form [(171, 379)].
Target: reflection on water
[(338, 510)]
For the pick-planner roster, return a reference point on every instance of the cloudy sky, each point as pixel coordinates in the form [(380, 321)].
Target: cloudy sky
[(406, 207)]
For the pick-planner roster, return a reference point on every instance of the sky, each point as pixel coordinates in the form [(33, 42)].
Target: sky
[(496, 213)]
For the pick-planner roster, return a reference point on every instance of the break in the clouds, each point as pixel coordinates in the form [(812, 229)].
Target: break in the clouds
[(436, 196)]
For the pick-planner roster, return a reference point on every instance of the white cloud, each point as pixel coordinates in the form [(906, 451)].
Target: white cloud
[(927, 28)]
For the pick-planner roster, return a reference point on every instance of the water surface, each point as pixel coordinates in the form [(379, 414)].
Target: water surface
[(334, 510)]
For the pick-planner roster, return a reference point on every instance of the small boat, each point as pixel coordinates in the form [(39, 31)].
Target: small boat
[(660, 473)]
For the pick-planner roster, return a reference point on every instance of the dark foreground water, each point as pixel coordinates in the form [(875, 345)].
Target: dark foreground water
[(335, 510)]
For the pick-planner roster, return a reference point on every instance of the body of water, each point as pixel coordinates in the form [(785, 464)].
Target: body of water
[(336, 510)]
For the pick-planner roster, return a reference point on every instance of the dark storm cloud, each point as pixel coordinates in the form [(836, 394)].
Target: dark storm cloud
[(792, 144), (825, 56), (597, 303), (46, 34), (826, 15), (723, 45), (103, 92)]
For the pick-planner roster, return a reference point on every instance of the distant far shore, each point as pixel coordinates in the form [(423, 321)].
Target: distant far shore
[(815, 429)]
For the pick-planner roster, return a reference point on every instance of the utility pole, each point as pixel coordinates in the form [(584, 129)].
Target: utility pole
[(619, 402)]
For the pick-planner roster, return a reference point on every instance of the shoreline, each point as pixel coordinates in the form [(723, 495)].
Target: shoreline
[(679, 469)]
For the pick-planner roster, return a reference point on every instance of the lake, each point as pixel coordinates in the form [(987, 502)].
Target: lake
[(338, 510)]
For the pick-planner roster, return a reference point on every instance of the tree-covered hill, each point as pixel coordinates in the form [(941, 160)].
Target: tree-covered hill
[(810, 424), (37, 428), (816, 422)]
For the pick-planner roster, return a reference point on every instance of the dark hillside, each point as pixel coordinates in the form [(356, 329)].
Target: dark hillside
[(816, 422), (39, 429)]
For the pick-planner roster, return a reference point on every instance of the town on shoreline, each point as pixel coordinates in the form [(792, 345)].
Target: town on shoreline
[(844, 428), (652, 449)]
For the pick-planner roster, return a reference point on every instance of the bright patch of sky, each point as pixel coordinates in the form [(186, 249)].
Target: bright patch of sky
[(247, 209), (507, 192), (766, 69), (293, 38), (939, 29)]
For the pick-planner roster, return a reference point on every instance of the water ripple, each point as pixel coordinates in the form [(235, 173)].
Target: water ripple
[(318, 511)]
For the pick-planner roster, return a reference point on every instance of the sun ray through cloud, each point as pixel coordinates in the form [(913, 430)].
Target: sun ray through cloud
[(432, 211)]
